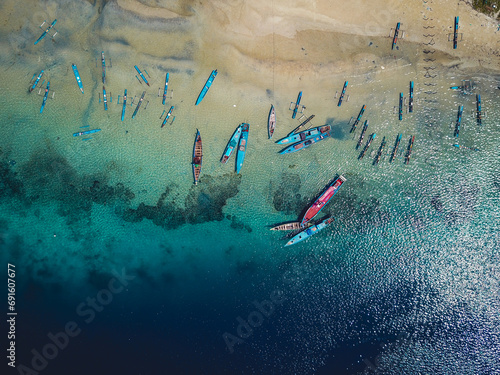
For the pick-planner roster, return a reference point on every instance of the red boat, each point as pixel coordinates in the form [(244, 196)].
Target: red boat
[(323, 199)]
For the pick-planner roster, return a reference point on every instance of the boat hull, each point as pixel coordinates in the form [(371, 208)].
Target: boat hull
[(271, 122), (77, 76), (322, 200), (305, 135), (304, 144), (197, 157), (306, 233), (242, 147), (205, 88), (231, 145)]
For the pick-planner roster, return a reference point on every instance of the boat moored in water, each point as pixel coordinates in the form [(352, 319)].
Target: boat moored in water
[(205, 88), (304, 135), (77, 76), (409, 150), (380, 151), (231, 145), (294, 225), (459, 120), (306, 233), (395, 150), (36, 82), (45, 96), (353, 128), (342, 93), (124, 104), (396, 34), (139, 104), (86, 132), (242, 147), (197, 157), (271, 122), (142, 75), (304, 144), (322, 200), (368, 143), (165, 90)]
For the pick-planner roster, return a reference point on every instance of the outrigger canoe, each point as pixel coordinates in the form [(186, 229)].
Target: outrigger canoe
[(124, 104), (142, 75), (242, 147), (380, 151), (139, 104), (271, 122), (197, 157), (395, 150), (205, 88), (353, 127), (231, 145), (410, 101), (459, 120), (479, 114), (46, 31), (305, 234), (396, 34), (304, 144), (36, 81), (105, 98), (297, 104), (408, 152), (77, 76), (368, 143), (400, 106), (304, 135), (322, 200), (45, 96), (165, 90), (342, 93), (362, 136), (86, 132)]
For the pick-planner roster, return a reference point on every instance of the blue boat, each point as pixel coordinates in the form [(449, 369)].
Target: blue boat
[(86, 132), (46, 31), (395, 149), (45, 96), (167, 116), (400, 106), (342, 93), (165, 90), (459, 120), (304, 144), (306, 233), (365, 126), (368, 143), (455, 34), (124, 104), (142, 75), (297, 103), (77, 76), (105, 98), (353, 127), (242, 147), (103, 68), (231, 145), (410, 101), (205, 88), (139, 104), (36, 81), (479, 114), (396, 34), (304, 135)]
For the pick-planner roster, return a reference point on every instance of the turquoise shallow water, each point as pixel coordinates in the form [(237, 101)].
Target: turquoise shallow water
[(405, 281)]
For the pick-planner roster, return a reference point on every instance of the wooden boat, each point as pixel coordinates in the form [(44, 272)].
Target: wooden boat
[(343, 93), (46, 31), (165, 90), (206, 87), (304, 135), (105, 98), (380, 151), (455, 34), (36, 82), (294, 131), (86, 132), (45, 96), (295, 225), (124, 104), (408, 152), (410, 101), (77, 76), (459, 120), (396, 34), (167, 116), (395, 149), (479, 114), (103, 62), (231, 145), (197, 157), (304, 144), (297, 103), (242, 147), (142, 75), (322, 200), (400, 106), (353, 127), (139, 104), (271, 122), (368, 143), (306, 233), (365, 126)]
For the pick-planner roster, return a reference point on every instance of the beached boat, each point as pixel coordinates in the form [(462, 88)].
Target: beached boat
[(86, 132), (353, 127), (77, 76), (410, 101), (362, 136), (103, 63), (294, 131), (408, 152), (271, 122), (124, 104), (169, 113), (396, 34), (400, 106), (205, 88), (306, 233), (459, 120), (380, 151), (197, 157), (304, 135), (165, 90), (395, 149), (297, 104), (479, 114), (45, 96), (295, 225), (368, 143), (139, 104), (231, 145), (242, 147), (304, 144), (36, 82), (105, 98), (46, 31), (342, 93), (142, 75), (455, 34), (322, 200)]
